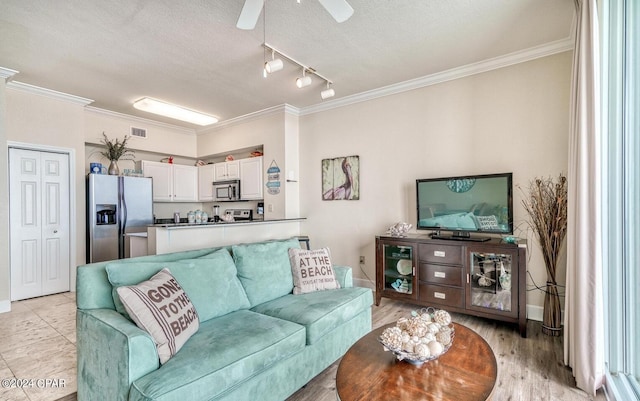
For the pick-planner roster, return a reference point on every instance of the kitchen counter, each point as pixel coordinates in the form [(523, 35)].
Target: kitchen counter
[(142, 234), (222, 223), (175, 237)]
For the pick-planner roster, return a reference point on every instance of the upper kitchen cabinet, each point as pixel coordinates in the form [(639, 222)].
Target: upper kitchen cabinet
[(172, 182), (226, 171), (251, 178), (206, 176)]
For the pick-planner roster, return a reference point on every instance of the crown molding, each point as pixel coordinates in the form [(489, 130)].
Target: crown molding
[(520, 56), (142, 120), (7, 74), (36, 90), (283, 108)]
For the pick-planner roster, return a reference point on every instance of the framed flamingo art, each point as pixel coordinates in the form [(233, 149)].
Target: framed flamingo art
[(341, 178)]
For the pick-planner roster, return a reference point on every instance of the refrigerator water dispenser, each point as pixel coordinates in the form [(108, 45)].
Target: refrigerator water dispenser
[(105, 214)]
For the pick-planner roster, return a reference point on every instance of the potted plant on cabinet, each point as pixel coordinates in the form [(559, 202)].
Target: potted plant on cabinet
[(546, 204), (115, 150)]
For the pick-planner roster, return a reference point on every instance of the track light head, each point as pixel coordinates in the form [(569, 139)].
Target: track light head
[(327, 93), (304, 80), (273, 65)]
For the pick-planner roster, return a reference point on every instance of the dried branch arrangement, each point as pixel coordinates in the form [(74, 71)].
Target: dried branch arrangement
[(546, 203), (117, 149)]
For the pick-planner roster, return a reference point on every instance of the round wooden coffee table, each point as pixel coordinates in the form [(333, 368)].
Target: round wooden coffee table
[(467, 371)]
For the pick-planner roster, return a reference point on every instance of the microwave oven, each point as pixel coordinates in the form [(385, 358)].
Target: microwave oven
[(226, 191)]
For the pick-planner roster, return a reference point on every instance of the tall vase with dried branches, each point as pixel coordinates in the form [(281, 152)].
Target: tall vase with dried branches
[(114, 151), (546, 203)]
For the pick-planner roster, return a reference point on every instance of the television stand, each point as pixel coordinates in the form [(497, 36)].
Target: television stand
[(485, 279), (458, 238)]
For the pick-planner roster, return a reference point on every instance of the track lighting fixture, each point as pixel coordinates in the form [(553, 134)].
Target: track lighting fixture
[(304, 80), (275, 64), (327, 93)]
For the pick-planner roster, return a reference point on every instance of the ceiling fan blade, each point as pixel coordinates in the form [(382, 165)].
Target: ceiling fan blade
[(340, 10), (250, 14)]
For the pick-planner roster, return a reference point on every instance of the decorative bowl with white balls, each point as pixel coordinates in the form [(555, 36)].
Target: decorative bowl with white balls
[(424, 336)]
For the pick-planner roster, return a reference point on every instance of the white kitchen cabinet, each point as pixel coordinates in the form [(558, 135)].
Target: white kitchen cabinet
[(185, 183), (251, 178), (227, 171), (172, 182), (205, 182)]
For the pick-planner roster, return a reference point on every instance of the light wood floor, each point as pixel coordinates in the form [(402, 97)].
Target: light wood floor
[(37, 340), (528, 368)]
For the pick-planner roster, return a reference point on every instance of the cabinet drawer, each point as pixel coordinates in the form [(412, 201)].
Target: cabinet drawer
[(441, 253), (441, 274), (438, 294)]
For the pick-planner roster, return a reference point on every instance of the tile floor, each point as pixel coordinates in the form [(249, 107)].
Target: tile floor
[(37, 347)]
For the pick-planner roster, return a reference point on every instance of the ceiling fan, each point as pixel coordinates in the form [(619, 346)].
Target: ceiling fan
[(340, 10)]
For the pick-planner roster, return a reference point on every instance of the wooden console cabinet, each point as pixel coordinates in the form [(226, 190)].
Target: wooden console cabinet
[(485, 279)]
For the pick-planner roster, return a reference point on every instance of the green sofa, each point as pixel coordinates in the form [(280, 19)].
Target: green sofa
[(256, 340)]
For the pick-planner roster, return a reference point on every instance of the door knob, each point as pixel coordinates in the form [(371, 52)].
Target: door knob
[(55, 231)]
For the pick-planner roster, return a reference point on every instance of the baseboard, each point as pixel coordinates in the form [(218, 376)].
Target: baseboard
[(5, 306), (360, 282), (534, 312)]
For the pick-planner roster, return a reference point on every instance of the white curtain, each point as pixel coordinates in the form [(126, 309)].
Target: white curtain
[(583, 319)]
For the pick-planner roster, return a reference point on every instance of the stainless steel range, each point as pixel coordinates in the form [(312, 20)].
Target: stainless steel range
[(240, 214)]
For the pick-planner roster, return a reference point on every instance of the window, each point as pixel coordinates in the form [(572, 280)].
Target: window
[(621, 197)]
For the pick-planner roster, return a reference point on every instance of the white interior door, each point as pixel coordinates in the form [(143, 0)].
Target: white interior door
[(39, 223)]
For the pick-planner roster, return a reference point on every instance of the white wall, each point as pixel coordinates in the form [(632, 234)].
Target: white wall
[(511, 119), (161, 138), (269, 131), (46, 121)]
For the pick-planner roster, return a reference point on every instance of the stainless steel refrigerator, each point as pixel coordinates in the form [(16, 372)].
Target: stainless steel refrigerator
[(116, 206)]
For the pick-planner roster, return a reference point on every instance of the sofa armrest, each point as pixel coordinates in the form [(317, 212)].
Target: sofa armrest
[(112, 353), (344, 275)]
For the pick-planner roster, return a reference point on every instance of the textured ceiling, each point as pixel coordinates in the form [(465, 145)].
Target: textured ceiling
[(191, 53)]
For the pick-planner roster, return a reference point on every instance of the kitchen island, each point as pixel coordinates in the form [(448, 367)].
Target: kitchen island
[(175, 237)]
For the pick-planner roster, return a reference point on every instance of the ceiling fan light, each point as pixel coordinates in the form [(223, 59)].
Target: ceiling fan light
[(327, 93), (174, 111), (273, 65), (303, 81)]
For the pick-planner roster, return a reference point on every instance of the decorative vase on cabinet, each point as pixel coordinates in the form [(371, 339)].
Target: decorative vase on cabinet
[(113, 168)]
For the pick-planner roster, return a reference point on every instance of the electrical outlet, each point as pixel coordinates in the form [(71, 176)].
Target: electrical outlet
[(361, 260), (270, 208)]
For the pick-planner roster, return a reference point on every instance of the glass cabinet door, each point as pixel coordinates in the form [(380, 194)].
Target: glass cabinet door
[(399, 269), (491, 278)]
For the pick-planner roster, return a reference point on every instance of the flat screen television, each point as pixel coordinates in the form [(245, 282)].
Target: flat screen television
[(465, 205)]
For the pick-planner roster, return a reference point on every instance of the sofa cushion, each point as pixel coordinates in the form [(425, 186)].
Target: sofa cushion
[(211, 283), (312, 270), (225, 351), (319, 312), (264, 269), (160, 307)]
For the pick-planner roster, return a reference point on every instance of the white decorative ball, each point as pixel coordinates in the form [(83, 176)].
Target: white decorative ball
[(434, 328), (422, 350), (442, 317), (435, 348), (444, 337), (402, 323), (392, 337), (408, 346)]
